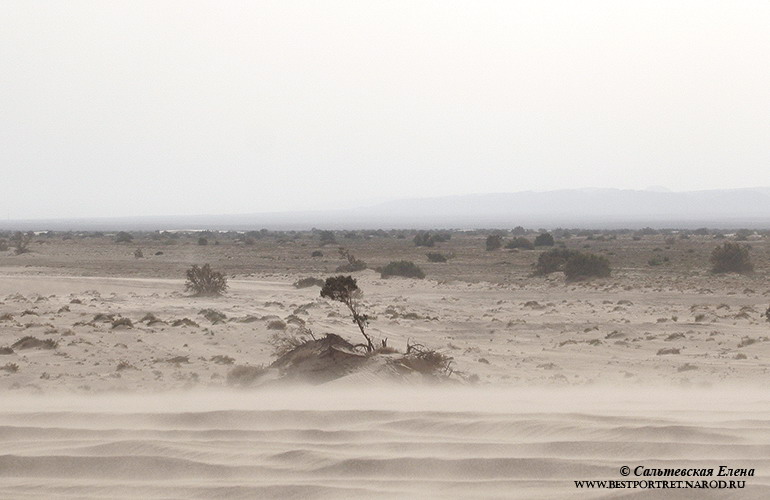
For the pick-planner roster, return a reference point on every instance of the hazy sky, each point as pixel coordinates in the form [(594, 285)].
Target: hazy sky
[(134, 108)]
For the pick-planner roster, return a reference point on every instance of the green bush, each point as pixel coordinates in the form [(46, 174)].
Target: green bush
[(544, 240), (436, 257), (494, 241), (403, 268), (203, 281), (123, 237), (731, 258), (553, 260), (520, 242), (586, 265)]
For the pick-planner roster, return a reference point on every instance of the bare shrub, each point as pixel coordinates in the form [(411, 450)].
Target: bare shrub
[(426, 361), (203, 281), (353, 264), (731, 258), (124, 365), (283, 343)]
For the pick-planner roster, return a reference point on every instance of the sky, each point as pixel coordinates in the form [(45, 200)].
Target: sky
[(189, 107)]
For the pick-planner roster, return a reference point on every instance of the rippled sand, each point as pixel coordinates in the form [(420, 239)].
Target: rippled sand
[(377, 443)]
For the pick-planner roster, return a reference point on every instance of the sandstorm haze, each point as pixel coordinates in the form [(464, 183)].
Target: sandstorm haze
[(175, 108)]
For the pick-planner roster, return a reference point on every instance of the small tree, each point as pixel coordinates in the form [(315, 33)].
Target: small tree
[(544, 240), (123, 237), (494, 241), (20, 242), (731, 258), (203, 281), (345, 289)]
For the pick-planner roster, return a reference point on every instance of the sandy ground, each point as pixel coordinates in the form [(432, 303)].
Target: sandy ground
[(653, 366)]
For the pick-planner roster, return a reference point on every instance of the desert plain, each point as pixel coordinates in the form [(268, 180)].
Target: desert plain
[(115, 382)]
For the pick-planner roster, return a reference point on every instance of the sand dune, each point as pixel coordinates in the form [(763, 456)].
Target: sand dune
[(396, 443)]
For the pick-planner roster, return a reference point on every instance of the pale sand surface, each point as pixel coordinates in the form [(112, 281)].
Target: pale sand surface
[(377, 442)]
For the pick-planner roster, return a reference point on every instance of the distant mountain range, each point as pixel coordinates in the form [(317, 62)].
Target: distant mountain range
[(591, 208)]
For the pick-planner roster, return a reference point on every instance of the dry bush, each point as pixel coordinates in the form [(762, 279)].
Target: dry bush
[(203, 281), (221, 359), (426, 361), (731, 258), (284, 343), (124, 365), (29, 342), (122, 322), (10, 367), (353, 264)]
